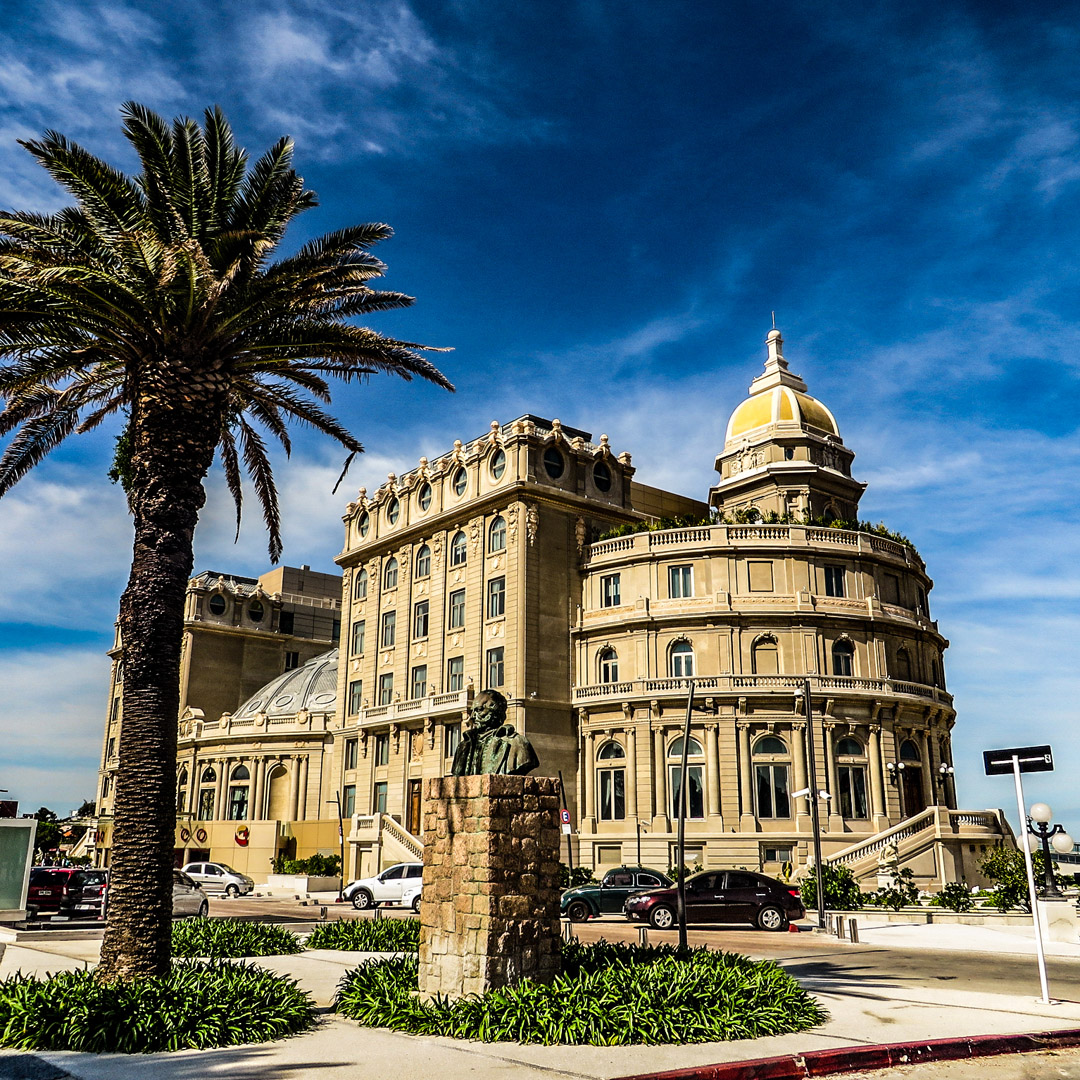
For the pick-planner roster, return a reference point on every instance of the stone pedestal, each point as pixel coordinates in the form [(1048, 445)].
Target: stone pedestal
[(489, 913), (1057, 918)]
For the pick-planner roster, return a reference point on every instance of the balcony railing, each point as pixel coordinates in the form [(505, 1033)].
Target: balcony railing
[(743, 684), (432, 705)]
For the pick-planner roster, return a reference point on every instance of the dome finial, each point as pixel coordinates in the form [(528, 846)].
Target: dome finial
[(775, 344)]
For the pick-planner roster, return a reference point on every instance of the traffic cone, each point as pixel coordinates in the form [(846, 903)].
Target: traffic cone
[(793, 929)]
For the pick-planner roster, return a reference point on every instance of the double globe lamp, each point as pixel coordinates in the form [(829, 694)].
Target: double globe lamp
[(1039, 830)]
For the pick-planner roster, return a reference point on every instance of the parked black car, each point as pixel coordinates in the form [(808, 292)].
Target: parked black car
[(608, 896), (722, 896), (85, 895)]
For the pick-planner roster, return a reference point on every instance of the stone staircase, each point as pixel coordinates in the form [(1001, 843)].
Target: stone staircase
[(378, 841)]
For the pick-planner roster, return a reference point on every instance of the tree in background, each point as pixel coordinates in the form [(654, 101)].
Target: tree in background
[(154, 298)]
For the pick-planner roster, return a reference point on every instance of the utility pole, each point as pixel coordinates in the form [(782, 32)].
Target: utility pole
[(815, 817), (681, 844)]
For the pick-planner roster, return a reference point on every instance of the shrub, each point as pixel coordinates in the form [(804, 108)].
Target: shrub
[(313, 865), (571, 879), (194, 1006), (607, 995), (954, 897), (1005, 867), (367, 935), (674, 870), (904, 893), (842, 892), (223, 938)]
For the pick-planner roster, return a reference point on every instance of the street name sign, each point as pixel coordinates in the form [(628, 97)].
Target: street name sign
[(1030, 759)]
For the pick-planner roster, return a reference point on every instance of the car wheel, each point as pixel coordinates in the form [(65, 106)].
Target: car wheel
[(663, 918), (416, 903), (204, 910), (362, 900), (232, 891), (771, 917), (578, 911)]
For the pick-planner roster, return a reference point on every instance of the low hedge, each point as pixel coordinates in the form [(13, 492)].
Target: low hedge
[(367, 935), (195, 1006), (607, 995), (221, 939)]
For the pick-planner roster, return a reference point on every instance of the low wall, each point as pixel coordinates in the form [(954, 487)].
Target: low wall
[(301, 883)]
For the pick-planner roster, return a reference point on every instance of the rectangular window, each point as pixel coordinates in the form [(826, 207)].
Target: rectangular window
[(495, 666), (356, 697), (206, 804), (496, 598), (455, 674), (348, 800), (358, 637), (761, 576), (923, 609), (834, 581), (238, 803), (286, 622), (611, 793), (609, 590), (771, 853), (420, 619), (853, 802), (389, 629), (680, 581), (105, 785), (772, 791), (419, 682), (386, 688), (378, 798), (335, 632), (292, 661), (382, 750), (451, 738), (114, 712), (457, 609), (351, 746), (890, 590), (695, 791), (111, 749)]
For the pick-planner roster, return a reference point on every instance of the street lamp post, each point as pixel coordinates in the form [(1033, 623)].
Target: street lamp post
[(815, 817), (639, 827), (1038, 824), (336, 800)]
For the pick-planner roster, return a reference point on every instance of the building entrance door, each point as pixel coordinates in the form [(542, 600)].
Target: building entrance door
[(913, 793), (415, 819)]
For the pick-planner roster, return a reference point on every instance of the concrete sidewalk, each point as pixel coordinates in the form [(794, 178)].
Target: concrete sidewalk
[(860, 1015)]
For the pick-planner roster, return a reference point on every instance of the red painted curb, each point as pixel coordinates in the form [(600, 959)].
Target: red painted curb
[(860, 1058)]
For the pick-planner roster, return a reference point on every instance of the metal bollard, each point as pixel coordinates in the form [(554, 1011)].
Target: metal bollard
[(643, 937), (376, 914), (829, 923), (840, 927), (853, 931), (567, 930), (322, 913)]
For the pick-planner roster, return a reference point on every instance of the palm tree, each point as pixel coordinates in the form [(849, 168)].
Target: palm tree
[(154, 297)]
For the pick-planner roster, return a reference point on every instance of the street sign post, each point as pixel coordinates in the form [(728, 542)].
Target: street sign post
[(564, 817), (1019, 760)]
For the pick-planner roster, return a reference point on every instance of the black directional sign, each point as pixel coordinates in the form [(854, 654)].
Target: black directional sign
[(1031, 759)]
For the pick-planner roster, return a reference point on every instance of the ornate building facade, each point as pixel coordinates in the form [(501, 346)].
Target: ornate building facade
[(530, 560)]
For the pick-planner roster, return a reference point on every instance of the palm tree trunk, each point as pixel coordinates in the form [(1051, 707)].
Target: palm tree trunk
[(173, 442)]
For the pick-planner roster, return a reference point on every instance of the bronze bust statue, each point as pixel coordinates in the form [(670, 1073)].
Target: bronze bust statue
[(490, 744)]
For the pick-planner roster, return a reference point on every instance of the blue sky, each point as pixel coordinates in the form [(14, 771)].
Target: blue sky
[(598, 205)]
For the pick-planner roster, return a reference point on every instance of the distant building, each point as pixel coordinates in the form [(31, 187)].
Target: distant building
[(532, 561)]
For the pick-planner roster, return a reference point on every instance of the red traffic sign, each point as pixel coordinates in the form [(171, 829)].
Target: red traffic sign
[(564, 816)]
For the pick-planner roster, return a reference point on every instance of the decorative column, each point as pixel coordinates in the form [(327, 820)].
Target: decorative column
[(878, 810), (832, 781), (712, 776), (588, 821), (301, 803), (925, 766), (660, 815), (258, 786), (747, 818), (220, 809), (631, 775), (798, 756)]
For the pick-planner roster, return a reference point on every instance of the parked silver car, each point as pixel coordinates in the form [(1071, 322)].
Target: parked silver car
[(217, 877), (187, 897)]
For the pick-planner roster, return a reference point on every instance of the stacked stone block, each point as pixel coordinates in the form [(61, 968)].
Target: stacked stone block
[(489, 913)]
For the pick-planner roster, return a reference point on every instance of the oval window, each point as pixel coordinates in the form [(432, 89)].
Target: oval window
[(602, 476), (392, 510), (424, 498), (498, 464), (363, 524), (217, 604), (461, 481), (256, 611), (553, 462)]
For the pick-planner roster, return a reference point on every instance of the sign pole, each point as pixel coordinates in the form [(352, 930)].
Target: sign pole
[(564, 818), (681, 808), (1031, 883)]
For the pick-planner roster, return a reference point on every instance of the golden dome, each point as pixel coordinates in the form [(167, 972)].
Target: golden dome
[(777, 405)]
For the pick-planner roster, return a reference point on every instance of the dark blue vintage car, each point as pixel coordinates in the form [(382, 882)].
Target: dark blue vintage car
[(608, 896)]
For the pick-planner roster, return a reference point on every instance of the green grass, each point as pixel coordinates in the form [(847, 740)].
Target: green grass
[(220, 939), (367, 935), (195, 1006), (607, 995)]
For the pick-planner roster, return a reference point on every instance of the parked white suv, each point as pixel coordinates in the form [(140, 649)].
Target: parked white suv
[(385, 888), (219, 878)]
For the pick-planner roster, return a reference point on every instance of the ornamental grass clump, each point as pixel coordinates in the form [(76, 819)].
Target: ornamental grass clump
[(367, 935), (607, 995), (193, 1007), (220, 939)]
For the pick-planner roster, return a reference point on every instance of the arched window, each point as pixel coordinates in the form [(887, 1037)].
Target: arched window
[(765, 655), (217, 604), (681, 660), (851, 780), (423, 497), (209, 775), (256, 611), (207, 794), (843, 658), (363, 523), (609, 665), (360, 586), (423, 562), (611, 783), (695, 778), (390, 573), (239, 789), (602, 476), (459, 552), (913, 797), (461, 482), (498, 464), (909, 752), (771, 778), (181, 789), (554, 463), (497, 534), (903, 664)]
